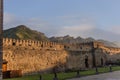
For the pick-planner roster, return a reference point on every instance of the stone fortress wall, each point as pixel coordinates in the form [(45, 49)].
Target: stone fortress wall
[(32, 44), (36, 56)]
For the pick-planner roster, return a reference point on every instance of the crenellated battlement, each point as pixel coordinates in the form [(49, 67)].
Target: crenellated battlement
[(85, 46), (31, 43), (49, 45)]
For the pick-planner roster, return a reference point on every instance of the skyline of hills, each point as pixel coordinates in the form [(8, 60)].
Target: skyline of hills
[(23, 32)]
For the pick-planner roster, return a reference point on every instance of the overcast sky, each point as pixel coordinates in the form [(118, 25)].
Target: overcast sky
[(99, 19)]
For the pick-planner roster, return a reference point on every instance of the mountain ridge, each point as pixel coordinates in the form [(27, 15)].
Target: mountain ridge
[(23, 32)]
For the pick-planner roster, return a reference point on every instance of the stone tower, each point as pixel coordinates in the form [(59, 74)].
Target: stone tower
[(1, 36)]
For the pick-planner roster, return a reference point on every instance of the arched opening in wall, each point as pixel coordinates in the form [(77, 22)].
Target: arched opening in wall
[(86, 62), (101, 61)]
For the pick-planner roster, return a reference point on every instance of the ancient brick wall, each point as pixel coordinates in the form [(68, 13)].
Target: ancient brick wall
[(34, 60), (32, 44), (77, 60), (113, 54), (101, 57), (35, 56)]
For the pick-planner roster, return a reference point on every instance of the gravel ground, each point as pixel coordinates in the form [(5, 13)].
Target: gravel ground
[(105, 76)]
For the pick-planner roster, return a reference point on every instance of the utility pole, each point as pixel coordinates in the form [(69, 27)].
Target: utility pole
[(1, 37)]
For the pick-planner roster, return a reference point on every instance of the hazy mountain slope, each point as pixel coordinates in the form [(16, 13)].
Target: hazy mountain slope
[(69, 39), (108, 43)]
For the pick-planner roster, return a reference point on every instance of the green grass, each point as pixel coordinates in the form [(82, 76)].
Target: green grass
[(116, 68), (63, 76)]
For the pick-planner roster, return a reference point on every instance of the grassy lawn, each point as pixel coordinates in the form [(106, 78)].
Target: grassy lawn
[(63, 76)]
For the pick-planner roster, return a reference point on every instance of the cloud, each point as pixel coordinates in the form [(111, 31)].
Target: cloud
[(34, 23), (87, 27), (73, 20), (11, 20), (74, 26), (77, 30), (104, 34), (87, 30), (115, 29), (8, 18), (66, 24)]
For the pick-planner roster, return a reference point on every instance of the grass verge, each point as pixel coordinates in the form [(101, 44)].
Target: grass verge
[(63, 76)]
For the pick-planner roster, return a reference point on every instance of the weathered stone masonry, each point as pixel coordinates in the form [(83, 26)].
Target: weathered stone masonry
[(34, 56)]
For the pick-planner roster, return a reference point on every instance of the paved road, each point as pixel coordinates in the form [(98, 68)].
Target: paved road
[(106, 76)]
